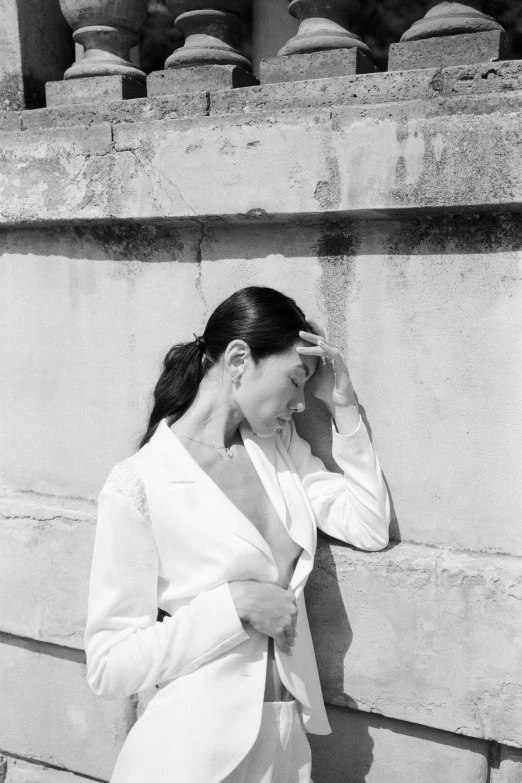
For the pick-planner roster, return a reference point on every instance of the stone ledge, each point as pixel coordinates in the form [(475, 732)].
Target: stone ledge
[(508, 768), (374, 749), (64, 724), (40, 537), (473, 80), (441, 162), (325, 93), (398, 87), (416, 633), (165, 107), (421, 634), (19, 771)]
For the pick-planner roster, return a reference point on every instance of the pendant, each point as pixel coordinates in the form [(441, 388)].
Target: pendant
[(229, 453)]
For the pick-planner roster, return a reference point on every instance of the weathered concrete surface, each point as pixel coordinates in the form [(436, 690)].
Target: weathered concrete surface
[(19, 771), (45, 556), (94, 89), (32, 51), (370, 749), (425, 635), (201, 78), (444, 51), (50, 715), (315, 65), (90, 299), (508, 766), (381, 164), (423, 314)]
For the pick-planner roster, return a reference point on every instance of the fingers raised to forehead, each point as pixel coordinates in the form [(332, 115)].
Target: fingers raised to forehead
[(311, 338), (315, 327), (316, 350)]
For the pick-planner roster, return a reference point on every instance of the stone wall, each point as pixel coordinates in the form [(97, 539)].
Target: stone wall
[(387, 205)]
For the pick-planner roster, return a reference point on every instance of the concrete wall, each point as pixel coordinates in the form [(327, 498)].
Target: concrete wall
[(410, 257)]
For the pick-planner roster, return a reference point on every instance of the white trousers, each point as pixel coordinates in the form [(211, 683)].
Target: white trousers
[(281, 753)]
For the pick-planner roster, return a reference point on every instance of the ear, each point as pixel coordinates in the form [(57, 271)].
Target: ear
[(235, 358)]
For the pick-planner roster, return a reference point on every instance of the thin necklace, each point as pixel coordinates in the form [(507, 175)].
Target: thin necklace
[(226, 449)]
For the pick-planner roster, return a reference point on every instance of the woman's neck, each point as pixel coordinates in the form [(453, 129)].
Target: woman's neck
[(213, 418)]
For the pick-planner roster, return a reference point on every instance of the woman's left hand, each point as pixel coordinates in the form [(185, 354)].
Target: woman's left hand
[(331, 381)]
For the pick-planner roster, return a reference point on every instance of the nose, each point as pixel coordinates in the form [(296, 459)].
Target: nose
[(299, 406)]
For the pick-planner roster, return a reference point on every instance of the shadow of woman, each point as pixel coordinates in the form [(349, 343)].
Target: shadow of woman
[(346, 755)]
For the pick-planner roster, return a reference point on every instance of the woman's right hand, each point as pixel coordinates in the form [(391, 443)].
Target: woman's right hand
[(269, 609)]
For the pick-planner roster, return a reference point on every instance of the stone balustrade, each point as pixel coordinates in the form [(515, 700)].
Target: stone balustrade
[(324, 46), (107, 30)]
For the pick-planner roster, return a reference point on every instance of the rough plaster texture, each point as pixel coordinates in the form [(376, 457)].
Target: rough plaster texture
[(435, 313), (19, 771), (371, 749), (45, 554), (421, 634), (50, 715)]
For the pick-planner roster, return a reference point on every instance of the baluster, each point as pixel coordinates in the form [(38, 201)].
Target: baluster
[(107, 29), (209, 59), (323, 45), (449, 34)]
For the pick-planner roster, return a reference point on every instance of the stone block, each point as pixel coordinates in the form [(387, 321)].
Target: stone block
[(10, 121), (36, 46), (325, 93), (421, 634), (19, 771), (94, 89), (447, 50), (167, 107), (173, 81), (315, 65), (373, 749), (45, 556), (49, 714), (502, 77), (508, 766)]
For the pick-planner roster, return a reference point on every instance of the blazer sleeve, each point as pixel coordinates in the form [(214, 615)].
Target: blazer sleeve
[(127, 649), (353, 507)]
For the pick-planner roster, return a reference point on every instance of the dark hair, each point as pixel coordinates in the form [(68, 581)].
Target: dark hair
[(267, 320)]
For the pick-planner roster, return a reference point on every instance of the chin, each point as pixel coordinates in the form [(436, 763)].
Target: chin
[(265, 429)]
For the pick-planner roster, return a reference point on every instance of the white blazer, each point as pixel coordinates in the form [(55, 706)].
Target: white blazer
[(168, 537)]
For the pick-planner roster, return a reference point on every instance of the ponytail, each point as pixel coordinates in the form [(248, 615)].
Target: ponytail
[(178, 384)]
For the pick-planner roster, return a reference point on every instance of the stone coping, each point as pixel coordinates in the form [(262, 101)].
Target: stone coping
[(426, 85)]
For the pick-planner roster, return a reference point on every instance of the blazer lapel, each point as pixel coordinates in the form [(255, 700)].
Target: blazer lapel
[(179, 467), (286, 493)]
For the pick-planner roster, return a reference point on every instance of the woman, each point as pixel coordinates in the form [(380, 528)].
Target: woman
[(213, 522)]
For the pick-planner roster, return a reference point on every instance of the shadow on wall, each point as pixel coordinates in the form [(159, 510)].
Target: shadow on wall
[(339, 757)]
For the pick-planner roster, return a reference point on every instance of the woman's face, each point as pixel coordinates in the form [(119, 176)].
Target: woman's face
[(270, 391)]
